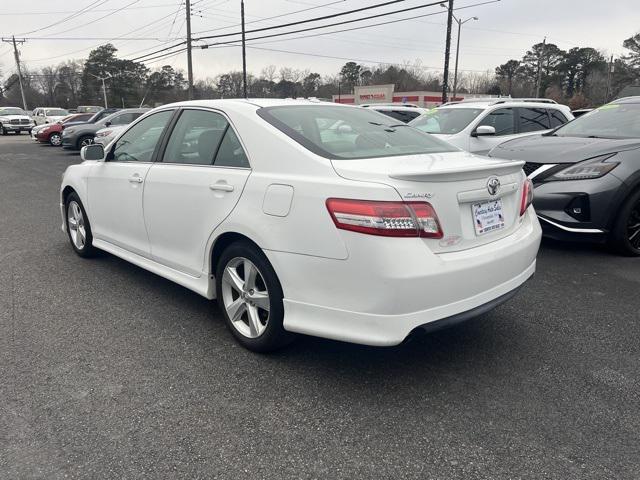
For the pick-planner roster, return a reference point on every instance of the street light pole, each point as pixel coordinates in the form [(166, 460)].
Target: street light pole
[(455, 74), (104, 87)]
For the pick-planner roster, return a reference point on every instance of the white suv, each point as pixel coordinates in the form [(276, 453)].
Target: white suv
[(479, 125)]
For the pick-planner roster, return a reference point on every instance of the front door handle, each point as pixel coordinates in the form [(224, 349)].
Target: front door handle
[(135, 179), (224, 187)]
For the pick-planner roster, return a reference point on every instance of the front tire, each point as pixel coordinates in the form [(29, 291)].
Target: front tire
[(78, 227), (55, 139), (625, 236), (250, 298)]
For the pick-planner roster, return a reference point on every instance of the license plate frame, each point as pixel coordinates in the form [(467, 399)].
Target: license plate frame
[(488, 216)]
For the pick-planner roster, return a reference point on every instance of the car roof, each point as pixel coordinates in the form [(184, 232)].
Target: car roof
[(509, 103), (396, 107), (258, 102), (634, 99)]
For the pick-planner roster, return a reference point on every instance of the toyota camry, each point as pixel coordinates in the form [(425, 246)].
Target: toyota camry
[(303, 217)]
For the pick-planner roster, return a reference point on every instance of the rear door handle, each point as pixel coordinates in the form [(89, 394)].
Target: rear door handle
[(224, 187), (135, 179)]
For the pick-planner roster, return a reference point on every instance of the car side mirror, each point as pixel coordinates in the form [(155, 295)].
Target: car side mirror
[(483, 131), (92, 152), (107, 124)]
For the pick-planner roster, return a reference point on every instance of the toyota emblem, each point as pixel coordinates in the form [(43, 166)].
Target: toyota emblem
[(493, 185)]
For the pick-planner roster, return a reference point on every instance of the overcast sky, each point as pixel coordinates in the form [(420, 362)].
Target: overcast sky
[(504, 30)]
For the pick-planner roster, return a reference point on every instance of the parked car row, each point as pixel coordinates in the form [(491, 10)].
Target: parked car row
[(80, 129)]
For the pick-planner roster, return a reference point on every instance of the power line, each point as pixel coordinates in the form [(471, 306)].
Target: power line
[(98, 19), (302, 22), (352, 28), (77, 13), (325, 17), (274, 16), (61, 12)]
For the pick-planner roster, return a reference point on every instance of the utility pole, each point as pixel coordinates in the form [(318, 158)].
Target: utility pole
[(104, 88), (189, 62), (447, 52), (17, 57), (539, 80), (244, 53), (609, 72)]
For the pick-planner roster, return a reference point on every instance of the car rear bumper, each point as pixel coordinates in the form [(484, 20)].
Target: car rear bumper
[(379, 297)]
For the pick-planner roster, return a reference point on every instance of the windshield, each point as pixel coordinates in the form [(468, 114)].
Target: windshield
[(446, 120), (11, 111), (350, 133), (56, 112), (614, 120)]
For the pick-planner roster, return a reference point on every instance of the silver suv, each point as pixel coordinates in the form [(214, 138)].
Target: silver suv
[(478, 125)]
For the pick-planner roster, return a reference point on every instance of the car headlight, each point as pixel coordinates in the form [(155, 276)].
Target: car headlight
[(592, 168), (106, 133)]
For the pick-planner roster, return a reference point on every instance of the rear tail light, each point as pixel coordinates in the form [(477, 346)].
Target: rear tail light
[(527, 196), (388, 219)]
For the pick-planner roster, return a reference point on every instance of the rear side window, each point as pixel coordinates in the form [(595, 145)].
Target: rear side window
[(231, 153), (502, 119), (350, 132), (557, 118), (533, 119)]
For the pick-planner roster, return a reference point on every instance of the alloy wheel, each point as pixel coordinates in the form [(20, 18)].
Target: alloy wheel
[(55, 139), (75, 223), (86, 141), (633, 226), (245, 297)]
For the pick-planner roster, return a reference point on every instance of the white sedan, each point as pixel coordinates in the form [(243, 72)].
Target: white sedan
[(362, 233)]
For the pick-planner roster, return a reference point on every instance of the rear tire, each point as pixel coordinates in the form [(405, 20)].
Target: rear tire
[(625, 235), (250, 298), (84, 140)]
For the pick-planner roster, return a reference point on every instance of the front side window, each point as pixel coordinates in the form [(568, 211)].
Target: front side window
[(614, 120), (349, 132), (447, 121), (502, 120), (140, 141), (125, 118), (533, 119)]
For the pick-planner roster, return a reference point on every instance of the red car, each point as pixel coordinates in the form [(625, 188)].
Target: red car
[(52, 133)]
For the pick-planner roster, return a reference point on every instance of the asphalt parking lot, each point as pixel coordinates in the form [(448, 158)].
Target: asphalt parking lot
[(109, 371)]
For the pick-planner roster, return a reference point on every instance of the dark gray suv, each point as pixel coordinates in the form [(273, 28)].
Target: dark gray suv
[(586, 175), (77, 136)]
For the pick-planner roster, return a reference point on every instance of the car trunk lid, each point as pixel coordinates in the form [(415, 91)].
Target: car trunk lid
[(456, 185)]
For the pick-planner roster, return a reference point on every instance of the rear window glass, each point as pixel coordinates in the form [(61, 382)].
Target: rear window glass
[(350, 132)]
